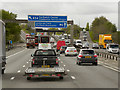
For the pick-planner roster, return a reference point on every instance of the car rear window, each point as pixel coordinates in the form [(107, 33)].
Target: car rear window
[(87, 52), (45, 53), (71, 48), (78, 41)]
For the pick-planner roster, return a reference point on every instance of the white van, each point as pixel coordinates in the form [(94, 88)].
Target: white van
[(112, 48)]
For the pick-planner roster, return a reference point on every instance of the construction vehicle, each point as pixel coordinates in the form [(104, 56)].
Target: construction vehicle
[(105, 39)]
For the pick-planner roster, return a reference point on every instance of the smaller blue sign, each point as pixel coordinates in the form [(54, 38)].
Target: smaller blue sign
[(51, 24), (32, 33)]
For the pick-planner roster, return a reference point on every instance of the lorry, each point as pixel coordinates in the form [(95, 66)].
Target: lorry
[(30, 42), (104, 39), (2, 46), (112, 48), (44, 63), (59, 44)]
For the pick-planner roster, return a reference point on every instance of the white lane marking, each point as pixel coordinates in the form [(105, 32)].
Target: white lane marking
[(23, 65), (111, 68), (27, 62), (68, 70), (73, 77), (115, 69), (12, 78), (64, 65), (15, 54), (18, 71)]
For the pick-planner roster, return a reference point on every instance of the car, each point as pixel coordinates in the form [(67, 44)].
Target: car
[(95, 46), (62, 49), (87, 56), (85, 45), (67, 42), (71, 51), (78, 43)]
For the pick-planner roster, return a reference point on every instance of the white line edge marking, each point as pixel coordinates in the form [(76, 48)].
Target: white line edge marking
[(15, 54), (73, 77), (27, 62), (64, 65), (109, 67), (12, 78)]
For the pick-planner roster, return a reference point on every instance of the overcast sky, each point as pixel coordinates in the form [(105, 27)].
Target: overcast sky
[(78, 10)]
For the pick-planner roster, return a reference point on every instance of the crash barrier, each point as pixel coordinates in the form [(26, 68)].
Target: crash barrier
[(108, 55)]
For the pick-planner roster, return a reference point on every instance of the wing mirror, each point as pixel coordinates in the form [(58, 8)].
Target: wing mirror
[(32, 55)]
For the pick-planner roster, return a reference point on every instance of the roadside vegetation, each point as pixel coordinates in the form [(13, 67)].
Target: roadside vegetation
[(12, 29), (101, 25)]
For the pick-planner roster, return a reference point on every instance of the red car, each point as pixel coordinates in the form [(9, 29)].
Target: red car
[(59, 44)]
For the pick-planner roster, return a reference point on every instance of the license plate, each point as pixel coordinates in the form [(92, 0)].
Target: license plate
[(45, 66), (45, 75), (71, 51), (87, 56)]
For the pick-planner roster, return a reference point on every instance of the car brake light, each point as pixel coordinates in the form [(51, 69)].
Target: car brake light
[(61, 49), (75, 50), (67, 50), (33, 61), (95, 55), (56, 61), (30, 75), (80, 56)]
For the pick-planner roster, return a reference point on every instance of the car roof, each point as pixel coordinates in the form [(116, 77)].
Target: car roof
[(87, 49), (70, 47)]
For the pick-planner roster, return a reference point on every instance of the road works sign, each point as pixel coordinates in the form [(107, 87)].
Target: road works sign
[(48, 21), (51, 24), (46, 18)]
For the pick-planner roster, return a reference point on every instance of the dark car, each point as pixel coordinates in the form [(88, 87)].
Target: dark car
[(87, 56), (62, 49)]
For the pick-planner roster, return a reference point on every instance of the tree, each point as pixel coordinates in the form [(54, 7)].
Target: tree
[(102, 25), (12, 29), (87, 27)]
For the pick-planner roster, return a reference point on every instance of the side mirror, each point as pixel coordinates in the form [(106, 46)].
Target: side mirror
[(31, 55)]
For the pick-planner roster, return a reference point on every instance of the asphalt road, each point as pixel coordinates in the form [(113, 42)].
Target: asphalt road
[(85, 76)]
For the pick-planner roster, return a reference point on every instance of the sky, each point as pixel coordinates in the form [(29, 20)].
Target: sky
[(81, 11)]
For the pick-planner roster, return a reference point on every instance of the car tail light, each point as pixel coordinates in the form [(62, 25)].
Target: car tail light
[(61, 49), (56, 61), (30, 75), (58, 74), (33, 61), (67, 50), (80, 56), (95, 55), (75, 50)]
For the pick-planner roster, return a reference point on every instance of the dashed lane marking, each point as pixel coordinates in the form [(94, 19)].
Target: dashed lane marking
[(27, 62), (68, 70), (12, 78), (23, 65), (73, 77), (18, 71), (64, 65)]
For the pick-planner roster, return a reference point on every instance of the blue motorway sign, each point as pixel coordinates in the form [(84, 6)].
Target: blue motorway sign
[(51, 24), (46, 18)]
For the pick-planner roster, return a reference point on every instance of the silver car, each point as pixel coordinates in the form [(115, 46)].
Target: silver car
[(87, 56), (71, 51)]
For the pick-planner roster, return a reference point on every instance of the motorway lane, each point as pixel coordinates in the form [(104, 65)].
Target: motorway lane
[(85, 76), (13, 78), (88, 76)]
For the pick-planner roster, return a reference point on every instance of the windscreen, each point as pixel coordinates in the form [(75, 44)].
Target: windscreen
[(30, 40), (87, 52), (45, 53), (108, 41), (114, 46), (78, 41), (44, 39)]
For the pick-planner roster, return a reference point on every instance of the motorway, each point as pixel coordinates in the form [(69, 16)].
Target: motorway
[(84, 76)]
